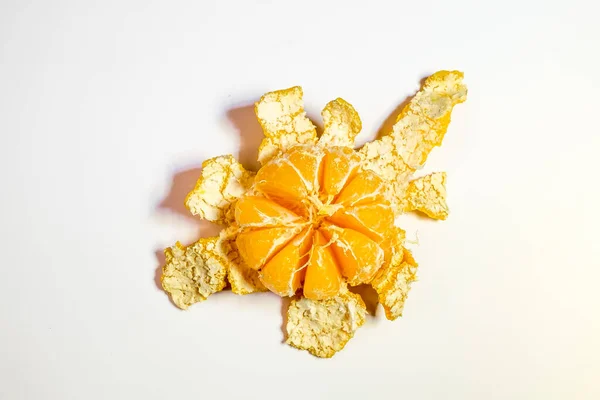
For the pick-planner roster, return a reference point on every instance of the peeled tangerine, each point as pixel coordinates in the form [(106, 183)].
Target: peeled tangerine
[(313, 221), (318, 216)]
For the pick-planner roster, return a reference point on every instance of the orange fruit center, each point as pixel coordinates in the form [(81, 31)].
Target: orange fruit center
[(313, 220)]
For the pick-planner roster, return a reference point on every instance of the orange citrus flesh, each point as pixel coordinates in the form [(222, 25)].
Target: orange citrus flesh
[(373, 220), (359, 257), (323, 279), (258, 246), (339, 165), (262, 212), (307, 165), (280, 181), (365, 188), (284, 273), (314, 220)]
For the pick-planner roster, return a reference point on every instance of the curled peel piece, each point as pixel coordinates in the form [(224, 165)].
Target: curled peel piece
[(222, 182), (420, 127), (192, 273), (284, 122), (342, 124), (428, 195), (243, 279), (323, 327), (393, 282)]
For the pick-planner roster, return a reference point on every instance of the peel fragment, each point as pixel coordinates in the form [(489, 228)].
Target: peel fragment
[(243, 279), (283, 119), (341, 124), (393, 282), (420, 127), (428, 195), (192, 273), (323, 327), (223, 181)]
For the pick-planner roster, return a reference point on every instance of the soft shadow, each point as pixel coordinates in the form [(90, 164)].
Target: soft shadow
[(160, 257), (285, 305), (251, 134), (183, 183), (317, 122), (387, 125), (369, 296)]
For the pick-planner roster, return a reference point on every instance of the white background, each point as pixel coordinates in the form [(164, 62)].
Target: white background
[(107, 110)]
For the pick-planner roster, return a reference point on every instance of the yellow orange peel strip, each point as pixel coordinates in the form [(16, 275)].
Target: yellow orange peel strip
[(393, 282), (420, 127), (283, 119), (222, 182), (192, 273), (341, 124), (323, 327), (428, 195)]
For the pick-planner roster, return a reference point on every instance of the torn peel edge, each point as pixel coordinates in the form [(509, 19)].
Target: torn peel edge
[(324, 327), (222, 181), (392, 284), (341, 124), (284, 122), (192, 273), (427, 195), (420, 127)]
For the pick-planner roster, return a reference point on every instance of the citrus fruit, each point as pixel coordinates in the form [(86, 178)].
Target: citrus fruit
[(314, 220)]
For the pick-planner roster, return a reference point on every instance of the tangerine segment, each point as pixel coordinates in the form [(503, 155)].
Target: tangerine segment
[(279, 179), (366, 187), (373, 220), (307, 164), (323, 279), (257, 246), (284, 273), (260, 211), (339, 165), (359, 257)]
